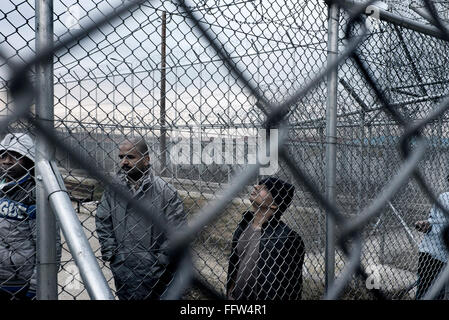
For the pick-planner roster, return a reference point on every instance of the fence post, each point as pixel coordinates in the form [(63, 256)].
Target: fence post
[(47, 286), (331, 139), (91, 274), (163, 142), (362, 161)]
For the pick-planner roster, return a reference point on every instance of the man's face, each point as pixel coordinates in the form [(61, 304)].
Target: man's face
[(261, 197), (132, 162), (12, 164)]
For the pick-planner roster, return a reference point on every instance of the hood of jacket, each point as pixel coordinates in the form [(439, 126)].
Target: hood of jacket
[(20, 143)]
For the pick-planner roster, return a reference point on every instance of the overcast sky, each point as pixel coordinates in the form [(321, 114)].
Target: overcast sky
[(279, 45)]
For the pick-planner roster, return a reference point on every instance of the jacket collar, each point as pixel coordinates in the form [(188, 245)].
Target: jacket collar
[(146, 181), (272, 222)]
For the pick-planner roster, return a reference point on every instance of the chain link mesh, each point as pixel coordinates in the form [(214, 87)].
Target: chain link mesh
[(226, 69)]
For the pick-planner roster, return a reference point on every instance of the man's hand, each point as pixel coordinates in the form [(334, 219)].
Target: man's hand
[(423, 226)]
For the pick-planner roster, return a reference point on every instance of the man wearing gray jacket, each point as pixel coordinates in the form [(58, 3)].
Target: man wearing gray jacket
[(17, 218), (134, 247)]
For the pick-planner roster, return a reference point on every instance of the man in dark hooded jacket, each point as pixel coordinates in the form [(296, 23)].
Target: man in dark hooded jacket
[(135, 248), (266, 256), (17, 218)]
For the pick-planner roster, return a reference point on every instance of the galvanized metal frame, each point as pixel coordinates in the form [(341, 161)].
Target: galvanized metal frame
[(350, 230)]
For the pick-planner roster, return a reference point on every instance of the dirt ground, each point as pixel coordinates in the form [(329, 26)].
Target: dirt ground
[(69, 281)]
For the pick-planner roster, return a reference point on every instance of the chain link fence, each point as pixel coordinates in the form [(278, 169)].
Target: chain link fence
[(409, 68), (184, 84)]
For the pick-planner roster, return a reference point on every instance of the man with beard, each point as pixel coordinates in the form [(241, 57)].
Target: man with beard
[(134, 247), (17, 218)]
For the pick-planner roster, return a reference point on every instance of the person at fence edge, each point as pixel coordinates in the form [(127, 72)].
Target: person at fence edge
[(432, 251), (133, 246), (17, 218), (266, 255)]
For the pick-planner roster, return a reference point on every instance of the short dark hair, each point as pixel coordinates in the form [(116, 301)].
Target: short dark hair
[(139, 143), (281, 191)]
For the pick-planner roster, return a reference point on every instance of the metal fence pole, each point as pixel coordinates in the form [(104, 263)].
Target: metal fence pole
[(47, 286), (331, 139), (362, 160), (398, 20), (163, 142), (77, 242), (8, 104), (322, 148)]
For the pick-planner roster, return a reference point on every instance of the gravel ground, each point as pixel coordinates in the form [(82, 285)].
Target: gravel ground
[(69, 279)]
